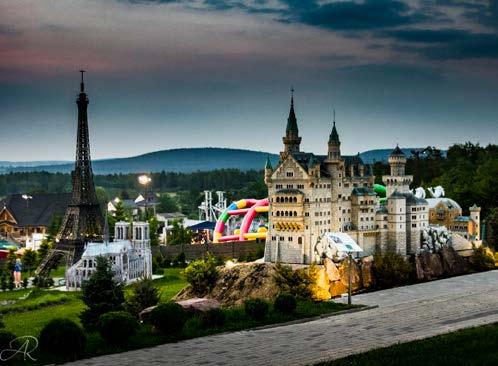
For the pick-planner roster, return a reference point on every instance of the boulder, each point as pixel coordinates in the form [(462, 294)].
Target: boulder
[(453, 264), (428, 266), (320, 289), (337, 288), (367, 276), (239, 283), (199, 305), (355, 274), (331, 269), (144, 314)]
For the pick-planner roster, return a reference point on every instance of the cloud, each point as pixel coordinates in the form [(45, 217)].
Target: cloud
[(446, 44)]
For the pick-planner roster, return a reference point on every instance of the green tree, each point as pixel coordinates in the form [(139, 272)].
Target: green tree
[(167, 203), (179, 234), (101, 294), (153, 228), (29, 260)]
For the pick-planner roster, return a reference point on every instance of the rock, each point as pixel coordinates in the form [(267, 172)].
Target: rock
[(355, 274), (337, 288), (428, 266), (320, 290), (331, 269), (199, 305), (453, 264), (367, 277), (239, 283), (144, 314)]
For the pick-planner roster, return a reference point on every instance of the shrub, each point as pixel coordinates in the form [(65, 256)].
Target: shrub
[(202, 274), (117, 326), (144, 295), (256, 308), (5, 338), (179, 260), (213, 318), (101, 294), (62, 337), (297, 283), (391, 269), (285, 303), (168, 318), (482, 259)]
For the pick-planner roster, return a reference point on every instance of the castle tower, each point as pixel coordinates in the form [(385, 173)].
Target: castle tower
[(122, 230), (291, 139), (334, 144), (268, 170), (83, 219), (475, 215), (396, 218), (397, 180)]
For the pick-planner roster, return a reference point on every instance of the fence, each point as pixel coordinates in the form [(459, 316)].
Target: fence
[(235, 249)]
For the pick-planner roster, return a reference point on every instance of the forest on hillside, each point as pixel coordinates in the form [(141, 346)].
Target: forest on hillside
[(468, 172)]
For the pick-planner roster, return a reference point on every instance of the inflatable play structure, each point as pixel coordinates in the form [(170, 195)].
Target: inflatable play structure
[(380, 190), (248, 208)]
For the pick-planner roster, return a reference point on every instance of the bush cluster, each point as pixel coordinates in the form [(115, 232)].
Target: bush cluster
[(213, 318), (297, 283), (6, 338), (168, 318), (145, 294), (482, 259), (117, 326), (62, 338), (391, 269), (257, 309), (202, 274), (285, 303)]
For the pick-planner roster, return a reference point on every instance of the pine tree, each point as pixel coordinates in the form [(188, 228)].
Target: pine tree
[(101, 294)]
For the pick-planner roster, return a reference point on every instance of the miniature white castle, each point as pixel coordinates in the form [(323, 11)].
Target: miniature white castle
[(311, 195), (130, 255)]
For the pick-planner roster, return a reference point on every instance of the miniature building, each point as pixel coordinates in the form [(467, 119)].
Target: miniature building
[(311, 195), (129, 253), (446, 212), (21, 216)]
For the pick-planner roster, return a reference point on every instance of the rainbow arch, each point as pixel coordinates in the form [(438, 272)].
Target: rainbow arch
[(248, 208)]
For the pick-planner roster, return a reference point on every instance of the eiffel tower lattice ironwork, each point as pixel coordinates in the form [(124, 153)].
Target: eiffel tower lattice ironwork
[(83, 220)]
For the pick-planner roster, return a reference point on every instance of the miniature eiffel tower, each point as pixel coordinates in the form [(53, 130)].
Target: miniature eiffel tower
[(83, 220)]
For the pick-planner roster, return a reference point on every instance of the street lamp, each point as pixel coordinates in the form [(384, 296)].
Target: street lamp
[(145, 180), (27, 198)]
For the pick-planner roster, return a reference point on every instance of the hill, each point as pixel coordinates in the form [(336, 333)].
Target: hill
[(175, 160), (179, 161)]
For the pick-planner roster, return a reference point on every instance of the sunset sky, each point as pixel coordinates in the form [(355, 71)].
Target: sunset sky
[(169, 74)]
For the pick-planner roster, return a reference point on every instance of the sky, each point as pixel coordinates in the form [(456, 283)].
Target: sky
[(195, 73)]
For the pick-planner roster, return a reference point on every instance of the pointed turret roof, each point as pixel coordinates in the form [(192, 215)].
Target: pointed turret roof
[(292, 120), (397, 151), (268, 163), (334, 136), (312, 162)]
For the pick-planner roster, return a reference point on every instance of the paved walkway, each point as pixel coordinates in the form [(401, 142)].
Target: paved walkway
[(404, 314)]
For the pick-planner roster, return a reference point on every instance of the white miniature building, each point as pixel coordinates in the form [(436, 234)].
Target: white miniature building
[(130, 255)]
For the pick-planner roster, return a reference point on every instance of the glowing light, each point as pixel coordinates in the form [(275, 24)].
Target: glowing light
[(144, 179)]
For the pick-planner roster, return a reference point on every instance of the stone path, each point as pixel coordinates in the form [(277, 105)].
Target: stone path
[(404, 314)]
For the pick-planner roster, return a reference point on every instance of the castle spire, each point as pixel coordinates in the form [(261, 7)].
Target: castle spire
[(291, 138), (268, 163), (334, 136)]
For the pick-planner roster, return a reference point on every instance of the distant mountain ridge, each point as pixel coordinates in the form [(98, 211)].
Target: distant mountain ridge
[(184, 160)]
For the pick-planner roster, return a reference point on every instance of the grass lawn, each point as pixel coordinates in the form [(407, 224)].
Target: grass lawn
[(473, 346), (32, 321)]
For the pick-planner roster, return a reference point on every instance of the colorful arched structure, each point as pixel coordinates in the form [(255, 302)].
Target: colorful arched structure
[(248, 208)]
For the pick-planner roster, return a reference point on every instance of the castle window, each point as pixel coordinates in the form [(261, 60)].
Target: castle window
[(278, 186), (295, 213), (290, 174), (300, 240), (290, 238), (294, 200), (306, 200), (414, 225)]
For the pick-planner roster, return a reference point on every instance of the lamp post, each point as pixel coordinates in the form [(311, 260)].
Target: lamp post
[(145, 180), (27, 198)]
